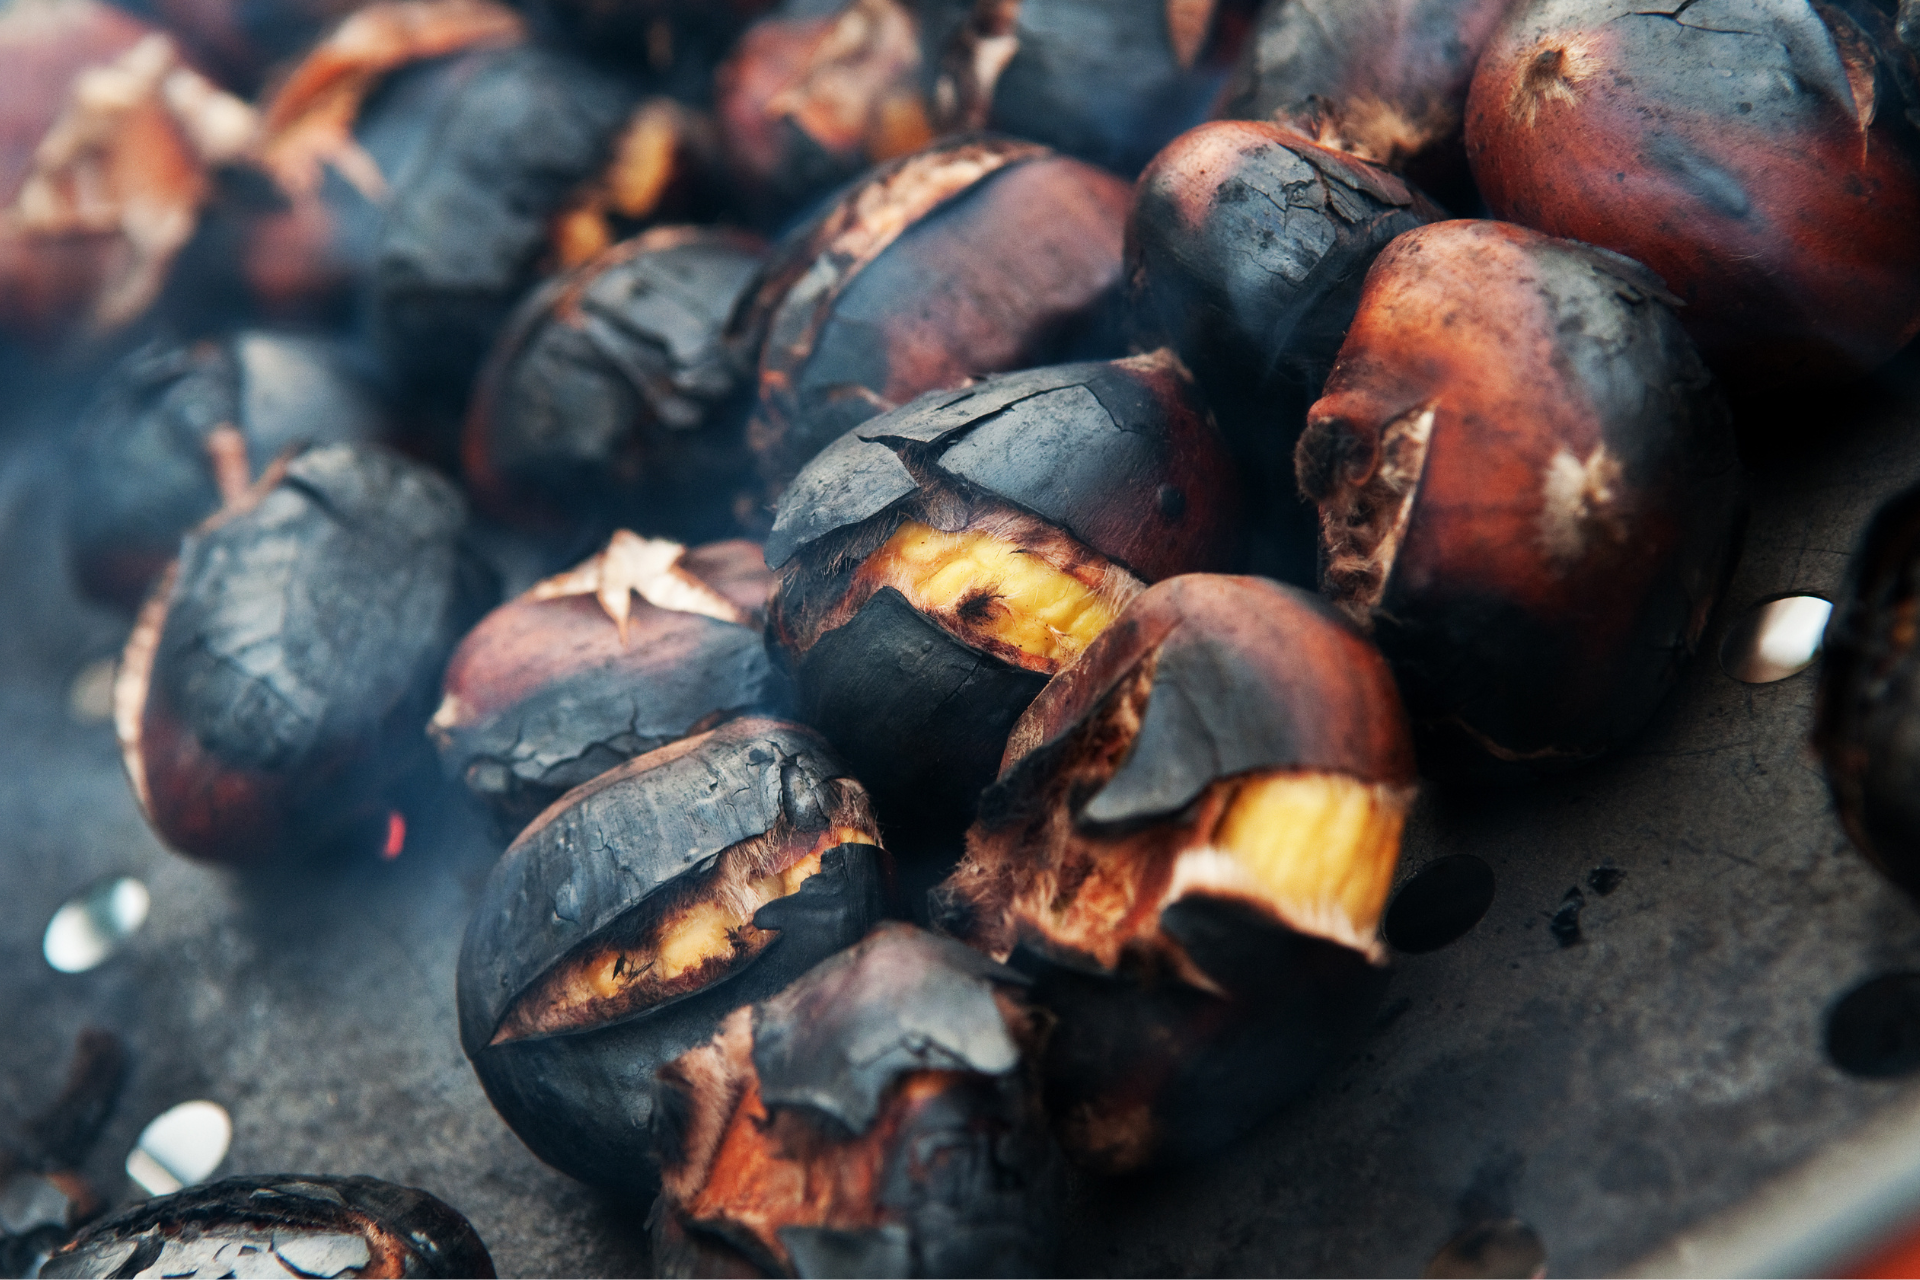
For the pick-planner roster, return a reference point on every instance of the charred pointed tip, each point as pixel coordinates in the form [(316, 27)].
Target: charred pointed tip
[(1552, 75)]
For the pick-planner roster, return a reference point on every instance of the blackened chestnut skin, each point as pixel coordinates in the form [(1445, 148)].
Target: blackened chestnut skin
[(1528, 489), (375, 1228), (148, 464), (276, 688), (1757, 154), (609, 857)]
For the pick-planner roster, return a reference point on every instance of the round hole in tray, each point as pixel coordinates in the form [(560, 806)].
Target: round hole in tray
[(91, 926), (1501, 1247), (1874, 1030), (1777, 638), (182, 1146), (1439, 903)]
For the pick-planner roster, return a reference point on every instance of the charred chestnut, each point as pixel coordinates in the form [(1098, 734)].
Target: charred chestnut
[(969, 258), (281, 1224), (938, 564), (575, 676), (640, 910), (1759, 157), (1528, 492), (273, 693), (877, 1117), (680, 38), (1189, 849), (178, 430), (611, 397)]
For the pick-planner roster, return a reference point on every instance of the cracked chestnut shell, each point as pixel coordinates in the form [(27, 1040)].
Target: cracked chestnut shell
[(272, 697), (1188, 850), (1528, 492), (973, 257), (642, 908), (1757, 154), (879, 1116), (177, 430), (280, 1224), (611, 399), (576, 676), (1869, 701), (939, 563)]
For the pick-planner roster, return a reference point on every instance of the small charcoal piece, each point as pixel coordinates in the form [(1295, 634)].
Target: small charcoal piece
[(279, 1225), (969, 258), (1189, 849), (177, 430), (611, 398), (272, 698), (1761, 156), (576, 676), (1528, 492), (642, 908), (938, 564), (878, 1117)]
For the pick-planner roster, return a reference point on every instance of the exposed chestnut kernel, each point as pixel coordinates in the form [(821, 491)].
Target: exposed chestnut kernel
[(611, 398), (1528, 492), (178, 430), (273, 693), (1761, 161), (970, 258), (663, 165), (1189, 849), (879, 1116), (640, 910), (281, 1224), (938, 564), (578, 675)]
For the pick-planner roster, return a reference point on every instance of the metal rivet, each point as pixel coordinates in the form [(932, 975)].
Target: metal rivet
[(182, 1146), (92, 926), (1777, 638)]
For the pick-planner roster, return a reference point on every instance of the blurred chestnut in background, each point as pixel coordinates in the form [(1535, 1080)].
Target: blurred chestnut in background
[(177, 430), (576, 676), (970, 258), (241, 42), (1528, 491), (1188, 849), (280, 1224), (877, 1117), (611, 399), (272, 698), (640, 910), (679, 39), (1757, 154), (938, 564)]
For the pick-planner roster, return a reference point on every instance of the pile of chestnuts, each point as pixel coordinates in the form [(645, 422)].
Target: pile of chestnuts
[(842, 485)]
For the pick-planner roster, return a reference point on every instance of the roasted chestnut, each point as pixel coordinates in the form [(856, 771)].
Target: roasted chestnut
[(640, 910), (663, 166), (611, 398), (240, 42), (973, 257), (1188, 849), (938, 564), (1528, 492), (574, 677), (878, 1117), (272, 696), (177, 430), (678, 38), (285, 1224), (1757, 154)]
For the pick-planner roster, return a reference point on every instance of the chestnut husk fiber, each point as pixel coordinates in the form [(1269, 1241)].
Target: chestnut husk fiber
[(392, 1230), (600, 858)]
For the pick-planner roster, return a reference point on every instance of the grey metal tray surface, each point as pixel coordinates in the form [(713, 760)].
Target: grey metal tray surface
[(1615, 1090)]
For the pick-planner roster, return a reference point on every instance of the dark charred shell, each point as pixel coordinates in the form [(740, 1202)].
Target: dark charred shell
[(144, 470), (280, 1224), (280, 679), (611, 399), (965, 1181), (465, 230), (1529, 492), (1120, 455), (974, 257), (544, 695), (1773, 141), (680, 39), (607, 855), (1869, 703)]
